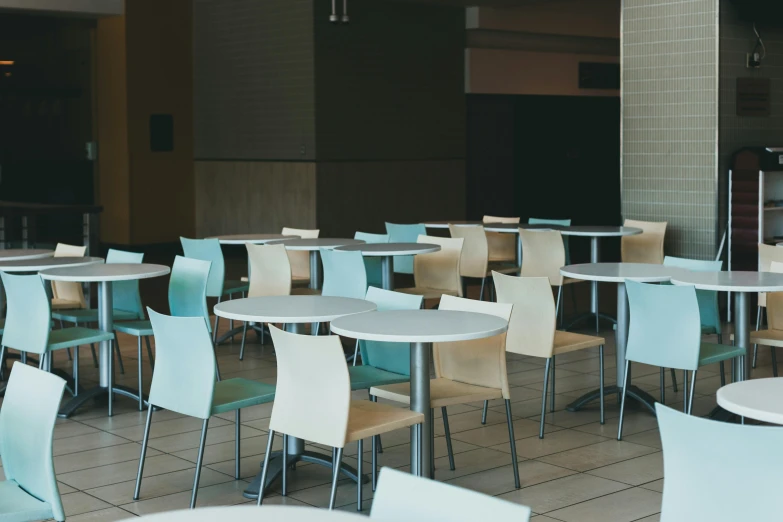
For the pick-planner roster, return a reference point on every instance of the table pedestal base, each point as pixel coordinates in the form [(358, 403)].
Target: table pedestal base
[(229, 335), (634, 392), (97, 393)]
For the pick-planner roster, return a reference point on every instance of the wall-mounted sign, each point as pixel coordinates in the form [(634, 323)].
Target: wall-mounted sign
[(754, 97)]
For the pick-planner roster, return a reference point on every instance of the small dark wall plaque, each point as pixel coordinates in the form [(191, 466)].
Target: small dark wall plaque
[(161, 132), (754, 97), (599, 75)]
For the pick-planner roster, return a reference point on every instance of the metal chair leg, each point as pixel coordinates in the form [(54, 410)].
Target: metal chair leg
[(722, 374), (674, 380), (284, 478), (149, 352), (432, 443), (143, 453), (552, 403), (265, 468), (513, 442), (94, 355), (543, 398), (663, 385), (68, 351), (119, 354), (76, 372), (338, 459), (111, 378), (242, 346), (622, 402), (756, 346), (484, 413), (481, 292), (685, 391), (693, 390), (373, 398), (356, 352), (374, 473), (558, 308), (199, 462), (774, 361), (139, 363), (359, 465), (601, 382), (215, 329), (448, 437), (237, 440)]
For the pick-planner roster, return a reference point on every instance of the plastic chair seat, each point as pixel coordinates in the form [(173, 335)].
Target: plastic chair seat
[(366, 419), (305, 291), (503, 268), (566, 342), (443, 392), (64, 304), (766, 337), (16, 505), (710, 353), (234, 287), (571, 281), (69, 337), (426, 293), (90, 315), (135, 328), (234, 394), (363, 377)]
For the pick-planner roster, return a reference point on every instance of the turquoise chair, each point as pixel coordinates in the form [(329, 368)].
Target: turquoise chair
[(187, 298), (184, 382), (404, 234), (665, 331), (28, 325), (372, 264), (29, 491), (701, 484), (558, 222), (217, 286), (344, 274)]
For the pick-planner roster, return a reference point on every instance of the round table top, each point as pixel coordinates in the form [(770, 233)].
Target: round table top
[(600, 231), (292, 308), (255, 239), (391, 249), (105, 272), (253, 513), (731, 281), (757, 399), (17, 254), (420, 326), (36, 265), (316, 243), (619, 272)]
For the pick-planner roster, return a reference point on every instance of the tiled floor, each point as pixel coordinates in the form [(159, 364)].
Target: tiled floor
[(578, 472)]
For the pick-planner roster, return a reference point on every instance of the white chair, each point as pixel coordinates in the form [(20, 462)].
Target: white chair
[(437, 273), (67, 295), (502, 247), (300, 260), (646, 247), (403, 497), (474, 262)]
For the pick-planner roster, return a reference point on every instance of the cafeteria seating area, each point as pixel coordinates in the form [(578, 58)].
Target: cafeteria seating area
[(418, 260)]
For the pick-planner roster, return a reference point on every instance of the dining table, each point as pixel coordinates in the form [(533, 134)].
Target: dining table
[(387, 251), (314, 246), (757, 399)]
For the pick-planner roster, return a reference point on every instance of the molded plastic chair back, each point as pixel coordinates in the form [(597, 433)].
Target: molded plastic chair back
[(270, 270), (481, 362), (404, 234), (27, 419), (184, 376), (475, 250), (66, 290), (531, 330), (767, 255), (439, 270), (313, 395), (208, 250), (344, 274), (646, 247), (502, 247), (544, 254), (372, 265), (405, 497), (558, 222), (700, 485), (665, 329), (188, 287), (28, 318), (125, 294), (392, 357), (775, 301), (708, 299), (300, 260)]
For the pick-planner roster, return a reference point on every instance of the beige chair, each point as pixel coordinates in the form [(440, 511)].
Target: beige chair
[(66, 295), (438, 273), (465, 372), (474, 261), (313, 402), (502, 247), (300, 260), (773, 335), (646, 247), (532, 332), (768, 254)]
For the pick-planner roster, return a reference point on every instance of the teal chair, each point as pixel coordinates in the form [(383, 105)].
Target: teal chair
[(558, 222), (404, 234), (28, 325), (344, 274), (701, 484), (29, 491), (372, 264), (184, 382), (217, 286), (125, 298), (665, 331), (187, 298)]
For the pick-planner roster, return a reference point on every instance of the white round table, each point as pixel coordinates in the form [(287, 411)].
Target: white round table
[(618, 273), (48, 263), (757, 399), (253, 514), (104, 275), (294, 311), (314, 246), (16, 254), (420, 328), (387, 251), (253, 239)]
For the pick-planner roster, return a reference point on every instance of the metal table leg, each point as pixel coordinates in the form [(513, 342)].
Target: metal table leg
[(742, 339), (519, 249), (595, 257), (420, 402), (387, 272)]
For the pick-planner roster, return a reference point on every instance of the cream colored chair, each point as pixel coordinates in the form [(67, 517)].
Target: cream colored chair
[(438, 273), (531, 330), (300, 260), (502, 247), (768, 254), (465, 372), (313, 402), (773, 335), (66, 295), (646, 247), (474, 261)]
